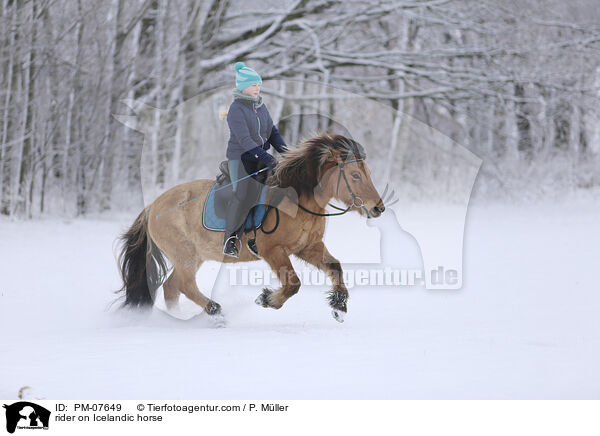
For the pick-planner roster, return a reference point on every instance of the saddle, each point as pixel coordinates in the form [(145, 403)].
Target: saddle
[(216, 205)]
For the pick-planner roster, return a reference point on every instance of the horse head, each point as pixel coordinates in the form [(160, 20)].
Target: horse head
[(349, 181), (331, 166)]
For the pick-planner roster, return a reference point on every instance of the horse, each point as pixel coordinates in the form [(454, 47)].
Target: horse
[(319, 169)]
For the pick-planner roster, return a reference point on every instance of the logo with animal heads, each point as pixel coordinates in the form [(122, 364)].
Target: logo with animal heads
[(26, 415)]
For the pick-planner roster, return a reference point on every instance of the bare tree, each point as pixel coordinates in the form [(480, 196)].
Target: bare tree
[(515, 81)]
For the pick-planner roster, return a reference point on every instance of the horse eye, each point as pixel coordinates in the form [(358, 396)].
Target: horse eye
[(356, 176)]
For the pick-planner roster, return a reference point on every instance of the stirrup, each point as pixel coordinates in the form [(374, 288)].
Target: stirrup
[(236, 253), (251, 244)]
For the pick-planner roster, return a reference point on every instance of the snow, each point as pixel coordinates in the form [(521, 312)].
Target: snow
[(524, 325)]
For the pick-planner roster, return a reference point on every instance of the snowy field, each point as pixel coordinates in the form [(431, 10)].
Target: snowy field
[(525, 324)]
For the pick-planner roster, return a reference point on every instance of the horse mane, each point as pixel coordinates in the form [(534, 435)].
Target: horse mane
[(301, 166)]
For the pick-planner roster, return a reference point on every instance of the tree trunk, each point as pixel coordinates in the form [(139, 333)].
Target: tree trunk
[(5, 161), (106, 172), (69, 125), (511, 130), (131, 166), (27, 138)]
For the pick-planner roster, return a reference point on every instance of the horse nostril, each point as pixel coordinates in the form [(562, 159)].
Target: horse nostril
[(376, 211)]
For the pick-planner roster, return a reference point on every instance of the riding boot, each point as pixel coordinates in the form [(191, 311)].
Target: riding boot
[(233, 227), (230, 247), (251, 244), (261, 180), (252, 247)]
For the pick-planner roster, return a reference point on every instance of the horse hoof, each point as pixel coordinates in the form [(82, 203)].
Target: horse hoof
[(263, 298), (212, 308), (338, 315)]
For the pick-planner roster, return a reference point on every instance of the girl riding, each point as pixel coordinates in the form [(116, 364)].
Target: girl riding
[(252, 132)]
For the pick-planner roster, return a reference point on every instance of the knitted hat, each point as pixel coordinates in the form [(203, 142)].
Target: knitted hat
[(245, 76)]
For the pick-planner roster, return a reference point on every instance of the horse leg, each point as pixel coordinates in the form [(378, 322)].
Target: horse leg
[(317, 254), (279, 262), (189, 288), (171, 292), (186, 260)]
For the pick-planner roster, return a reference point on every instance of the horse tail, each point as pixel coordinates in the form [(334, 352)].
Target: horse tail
[(142, 265)]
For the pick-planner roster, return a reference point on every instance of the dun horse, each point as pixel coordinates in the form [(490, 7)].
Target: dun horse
[(319, 169)]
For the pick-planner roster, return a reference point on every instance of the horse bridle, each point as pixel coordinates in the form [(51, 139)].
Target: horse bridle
[(343, 174), (343, 211), (337, 190)]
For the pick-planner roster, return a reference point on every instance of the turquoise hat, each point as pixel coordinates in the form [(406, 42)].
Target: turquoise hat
[(245, 76)]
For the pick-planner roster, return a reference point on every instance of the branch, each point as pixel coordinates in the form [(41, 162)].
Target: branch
[(249, 46)]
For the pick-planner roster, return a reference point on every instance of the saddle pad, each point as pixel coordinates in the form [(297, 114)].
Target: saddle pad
[(211, 221)]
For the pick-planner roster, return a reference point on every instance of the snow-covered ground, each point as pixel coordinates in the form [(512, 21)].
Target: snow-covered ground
[(524, 325)]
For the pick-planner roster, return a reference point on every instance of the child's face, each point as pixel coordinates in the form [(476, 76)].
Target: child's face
[(252, 90)]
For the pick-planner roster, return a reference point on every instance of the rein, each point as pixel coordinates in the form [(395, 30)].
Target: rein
[(360, 204)]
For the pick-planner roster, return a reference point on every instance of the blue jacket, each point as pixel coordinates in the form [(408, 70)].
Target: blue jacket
[(252, 132)]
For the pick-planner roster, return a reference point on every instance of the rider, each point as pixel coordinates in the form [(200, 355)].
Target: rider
[(252, 132)]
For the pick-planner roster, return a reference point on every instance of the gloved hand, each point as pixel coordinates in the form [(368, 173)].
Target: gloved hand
[(262, 156), (271, 162)]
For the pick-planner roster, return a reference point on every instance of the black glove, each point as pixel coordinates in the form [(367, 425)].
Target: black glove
[(258, 154), (271, 162)]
